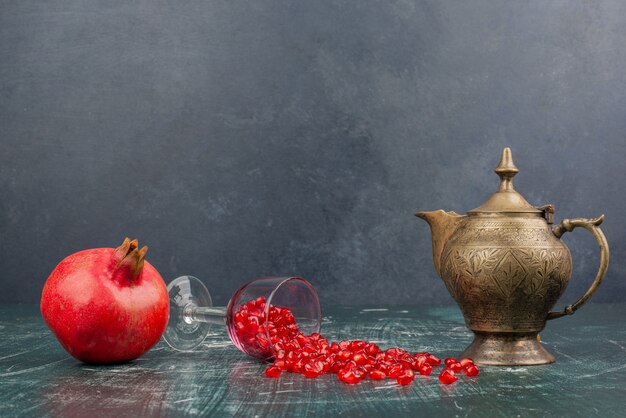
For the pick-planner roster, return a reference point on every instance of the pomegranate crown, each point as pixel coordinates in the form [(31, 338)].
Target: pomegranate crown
[(129, 256)]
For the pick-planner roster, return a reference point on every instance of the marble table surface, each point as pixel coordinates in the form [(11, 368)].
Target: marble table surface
[(38, 378)]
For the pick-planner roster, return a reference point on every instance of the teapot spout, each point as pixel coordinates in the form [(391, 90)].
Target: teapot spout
[(442, 225)]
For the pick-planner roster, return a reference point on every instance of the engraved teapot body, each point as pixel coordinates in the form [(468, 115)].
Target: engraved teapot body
[(506, 267)]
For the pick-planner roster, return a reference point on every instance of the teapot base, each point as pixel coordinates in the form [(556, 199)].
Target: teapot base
[(507, 349)]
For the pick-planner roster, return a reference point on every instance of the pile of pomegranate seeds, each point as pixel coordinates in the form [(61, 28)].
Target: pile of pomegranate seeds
[(312, 355), (250, 326)]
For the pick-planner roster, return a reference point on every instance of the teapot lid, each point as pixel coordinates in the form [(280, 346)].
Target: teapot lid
[(507, 199)]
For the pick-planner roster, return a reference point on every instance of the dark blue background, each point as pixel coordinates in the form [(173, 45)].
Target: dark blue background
[(240, 138)]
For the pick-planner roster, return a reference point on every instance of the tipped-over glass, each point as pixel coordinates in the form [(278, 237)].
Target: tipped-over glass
[(246, 317)]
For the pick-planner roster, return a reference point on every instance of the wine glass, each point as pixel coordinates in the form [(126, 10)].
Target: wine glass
[(192, 313)]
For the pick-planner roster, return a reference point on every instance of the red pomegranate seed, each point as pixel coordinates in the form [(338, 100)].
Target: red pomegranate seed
[(406, 377), (426, 369), (360, 372), (281, 364), (395, 352), (406, 364), (383, 366), (336, 366), (311, 370), (455, 367), (253, 324), (291, 346), (372, 349), (240, 326), (262, 341), (418, 362), (466, 362), (298, 366), (433, 360), (356, 345), (377, 374), (343, 369), (359, 359), (351, 376), (395, 371), (449, 360), (273, 371), (447, 376), (472, 370)]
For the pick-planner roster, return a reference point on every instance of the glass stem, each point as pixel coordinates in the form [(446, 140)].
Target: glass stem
[(212, 315)]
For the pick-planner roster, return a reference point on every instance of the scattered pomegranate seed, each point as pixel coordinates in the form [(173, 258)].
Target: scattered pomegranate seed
[(273, 371), (472, 370), (418, 362), (426, 369), (359, 359), (447, 376), (395, 371), (273, 332), (466, 362), (372, 349), (377, 374), (351, 376), (281, 364), (312, 370), (455, 367), (406, 377), (433, 360)]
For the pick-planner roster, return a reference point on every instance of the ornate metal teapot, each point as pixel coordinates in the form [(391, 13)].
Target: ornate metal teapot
[(506, 267)]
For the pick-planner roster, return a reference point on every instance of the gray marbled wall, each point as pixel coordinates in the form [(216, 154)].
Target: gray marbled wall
[(242, 138)]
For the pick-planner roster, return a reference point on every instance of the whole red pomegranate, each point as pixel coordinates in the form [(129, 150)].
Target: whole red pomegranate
[(106, 305)]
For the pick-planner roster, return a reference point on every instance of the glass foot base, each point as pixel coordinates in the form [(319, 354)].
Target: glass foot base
[(182, 332)]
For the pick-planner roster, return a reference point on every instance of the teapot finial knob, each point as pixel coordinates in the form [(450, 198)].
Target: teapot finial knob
[(506, 170)]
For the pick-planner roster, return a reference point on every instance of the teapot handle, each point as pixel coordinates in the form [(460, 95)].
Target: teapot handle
[(591, 225)]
